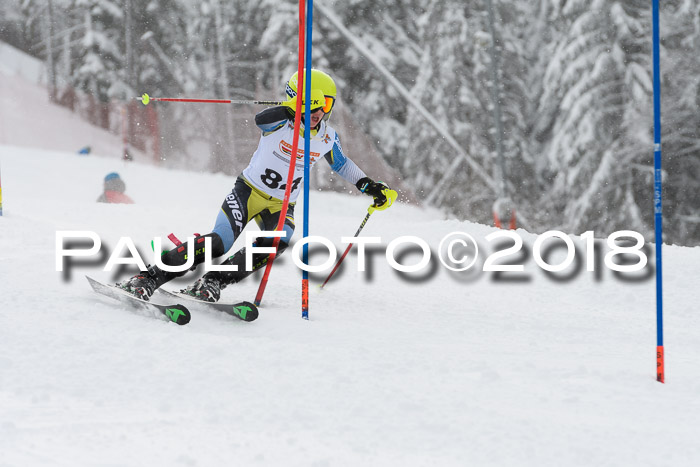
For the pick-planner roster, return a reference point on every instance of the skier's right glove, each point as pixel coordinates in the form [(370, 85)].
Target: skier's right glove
[(383, 196)]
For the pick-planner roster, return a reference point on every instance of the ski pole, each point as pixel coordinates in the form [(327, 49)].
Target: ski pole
[(391, 196), (146, 99), (347, 250)]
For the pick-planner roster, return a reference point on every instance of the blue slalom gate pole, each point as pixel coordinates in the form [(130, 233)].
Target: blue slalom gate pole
[(307, 159), (658, 214)]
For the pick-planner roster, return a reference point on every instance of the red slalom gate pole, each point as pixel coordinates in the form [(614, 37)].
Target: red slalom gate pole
[(292, 161)]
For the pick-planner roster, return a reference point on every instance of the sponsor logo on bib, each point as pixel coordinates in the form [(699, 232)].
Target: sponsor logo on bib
[(286, 149)]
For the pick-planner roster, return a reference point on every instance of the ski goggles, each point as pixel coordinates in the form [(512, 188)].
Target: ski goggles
[(328, 104)]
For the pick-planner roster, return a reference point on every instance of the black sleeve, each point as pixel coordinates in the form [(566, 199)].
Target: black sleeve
[(329, 157), (272, 115)]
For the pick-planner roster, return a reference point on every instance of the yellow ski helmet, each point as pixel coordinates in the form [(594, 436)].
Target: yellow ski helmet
[(319, 80)]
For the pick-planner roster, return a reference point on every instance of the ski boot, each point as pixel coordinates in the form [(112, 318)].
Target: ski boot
[(141, 285), (144, 284), (207, 289)]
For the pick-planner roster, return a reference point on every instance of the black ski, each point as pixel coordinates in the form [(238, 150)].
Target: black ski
[(176, 313), (244, 311)]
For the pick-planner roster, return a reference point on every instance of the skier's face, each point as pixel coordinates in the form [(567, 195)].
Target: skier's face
[(316, 117)]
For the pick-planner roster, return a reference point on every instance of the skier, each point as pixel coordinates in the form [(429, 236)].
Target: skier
[(259, 190), (114, 189)]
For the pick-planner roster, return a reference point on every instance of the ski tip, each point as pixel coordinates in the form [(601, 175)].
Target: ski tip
[(93, 283), (178, 314), (245, 311)]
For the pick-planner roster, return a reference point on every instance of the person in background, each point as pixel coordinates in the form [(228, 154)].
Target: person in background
[(114, 190)]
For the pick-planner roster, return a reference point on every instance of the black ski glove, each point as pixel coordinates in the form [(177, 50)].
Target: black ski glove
[(375, 189)]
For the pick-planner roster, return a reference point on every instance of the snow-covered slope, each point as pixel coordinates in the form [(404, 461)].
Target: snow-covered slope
[(27, 118), (439, 369), (453, 369)]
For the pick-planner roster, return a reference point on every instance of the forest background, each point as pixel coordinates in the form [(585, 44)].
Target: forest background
[(550, 101)]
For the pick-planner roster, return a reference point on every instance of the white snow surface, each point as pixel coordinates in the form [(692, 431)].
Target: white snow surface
[(386, 372), (454, 369)]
